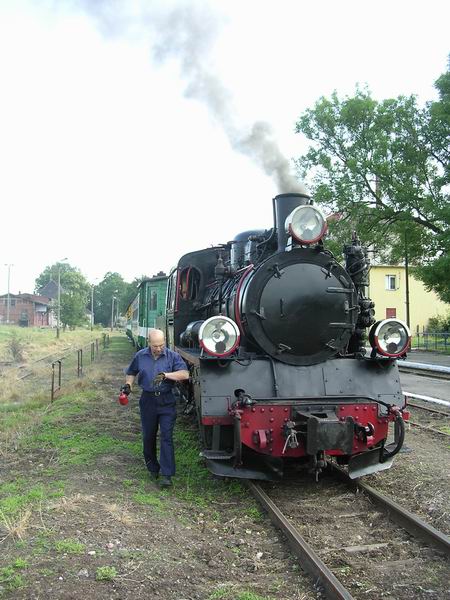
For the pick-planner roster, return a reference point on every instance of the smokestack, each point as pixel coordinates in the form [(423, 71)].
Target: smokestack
[(284, 204)]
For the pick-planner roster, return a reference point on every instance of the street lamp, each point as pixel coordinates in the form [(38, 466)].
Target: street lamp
[(92, 303), (112, 309), (8, 300), (58, 325), (92, 307)]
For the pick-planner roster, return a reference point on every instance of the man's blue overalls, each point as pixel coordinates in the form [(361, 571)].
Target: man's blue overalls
[(158, 407)]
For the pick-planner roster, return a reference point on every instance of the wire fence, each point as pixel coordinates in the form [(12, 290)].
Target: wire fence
[(432, 340), (50, 376)]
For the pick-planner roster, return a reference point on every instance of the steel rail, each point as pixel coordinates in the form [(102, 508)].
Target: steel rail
[(309, 560), (426, 428), (413, 524), (430, 410)]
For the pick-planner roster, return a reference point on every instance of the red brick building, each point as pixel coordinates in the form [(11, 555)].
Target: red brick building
[(27, 310)]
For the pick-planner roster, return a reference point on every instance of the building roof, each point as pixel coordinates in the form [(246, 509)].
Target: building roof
[(31, 297), (50, 289), (36, 298)]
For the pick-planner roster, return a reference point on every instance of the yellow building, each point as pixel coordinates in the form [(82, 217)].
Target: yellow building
[(388, 290)]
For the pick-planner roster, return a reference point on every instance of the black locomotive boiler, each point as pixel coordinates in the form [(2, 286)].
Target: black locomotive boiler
[(274, 331)]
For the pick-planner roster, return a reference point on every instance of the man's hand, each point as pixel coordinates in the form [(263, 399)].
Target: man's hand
[(126, 389), (158, 379)]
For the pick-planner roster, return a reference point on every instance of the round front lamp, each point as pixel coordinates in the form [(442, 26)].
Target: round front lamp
[(219, 336), (306, 224), (390, 337)]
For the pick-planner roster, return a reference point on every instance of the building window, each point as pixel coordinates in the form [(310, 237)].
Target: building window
[(12, 302), (391, 282)]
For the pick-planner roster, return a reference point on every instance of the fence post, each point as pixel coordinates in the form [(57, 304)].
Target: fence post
[(80, 362), (96, 347), (52, 395), (92, 352)]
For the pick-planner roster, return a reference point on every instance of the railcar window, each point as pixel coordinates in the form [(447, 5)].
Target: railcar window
[(153, 300), (171, 293), (189, 283)]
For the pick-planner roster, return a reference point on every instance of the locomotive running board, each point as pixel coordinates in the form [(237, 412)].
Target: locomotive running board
[(223, 468), (367, 463)]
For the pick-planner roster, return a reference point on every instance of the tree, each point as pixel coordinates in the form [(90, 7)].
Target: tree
[(383, 169), (75, 291), (112, 284), (74, 299)]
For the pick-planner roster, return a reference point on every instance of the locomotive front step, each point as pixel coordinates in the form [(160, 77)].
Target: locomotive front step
[(216, 455)]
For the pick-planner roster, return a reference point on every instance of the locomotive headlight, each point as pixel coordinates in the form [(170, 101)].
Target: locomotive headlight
[(219, 336), (306, 224), (390, 337)]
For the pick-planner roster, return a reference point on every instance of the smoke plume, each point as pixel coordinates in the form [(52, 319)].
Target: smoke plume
[(187, 34)]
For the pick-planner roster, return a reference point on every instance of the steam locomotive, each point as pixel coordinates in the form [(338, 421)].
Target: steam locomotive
[(273, 329)]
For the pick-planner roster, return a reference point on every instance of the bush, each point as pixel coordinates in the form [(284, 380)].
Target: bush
[(439, 324), (16, 347)]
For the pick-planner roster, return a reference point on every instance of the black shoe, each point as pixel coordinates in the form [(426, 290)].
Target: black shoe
[(153, 475), (165, 481)]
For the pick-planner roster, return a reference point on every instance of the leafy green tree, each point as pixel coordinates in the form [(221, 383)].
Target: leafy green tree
[(112, 285), (51, 273), (74, 299), (75, 291), (382, 168)]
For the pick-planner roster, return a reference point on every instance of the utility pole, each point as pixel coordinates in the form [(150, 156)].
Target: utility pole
[(92, 307), (8, 300), (58, 325), (407, 280), (112, 312)]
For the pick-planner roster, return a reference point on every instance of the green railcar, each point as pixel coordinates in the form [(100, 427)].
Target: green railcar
[(147, 309)]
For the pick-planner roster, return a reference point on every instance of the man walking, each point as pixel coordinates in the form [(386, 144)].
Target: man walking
[(157, 369)]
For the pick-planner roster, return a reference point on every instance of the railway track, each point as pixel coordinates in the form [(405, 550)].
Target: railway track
[(356, 542), (431, 419)]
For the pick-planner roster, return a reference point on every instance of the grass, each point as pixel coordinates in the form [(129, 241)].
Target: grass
[(18, 496), (37, 343), (230, 592), (10, 579), (69, 547), (150, 499), (106, 573), (68, 434)]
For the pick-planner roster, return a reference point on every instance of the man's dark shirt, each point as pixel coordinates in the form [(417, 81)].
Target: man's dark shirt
[(147, 368)]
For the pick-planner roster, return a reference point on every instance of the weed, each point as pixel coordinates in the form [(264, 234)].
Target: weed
[(20, 563), (16, 347), (150, 500), (229, 592), (105, 574), (17, 526), (69, 546), (254, 513), (10, 579)]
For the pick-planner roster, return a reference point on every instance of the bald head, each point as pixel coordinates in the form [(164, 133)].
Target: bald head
[(156, 341)]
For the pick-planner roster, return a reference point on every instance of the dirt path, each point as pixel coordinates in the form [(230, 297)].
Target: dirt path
[(79, 517)]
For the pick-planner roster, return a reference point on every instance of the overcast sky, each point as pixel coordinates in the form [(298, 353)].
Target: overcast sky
[(126, 127)]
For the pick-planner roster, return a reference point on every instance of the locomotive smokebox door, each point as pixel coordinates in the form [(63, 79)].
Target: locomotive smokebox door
[(304, 307)]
